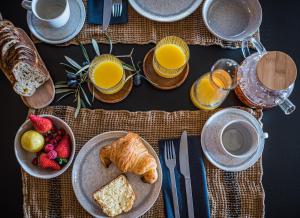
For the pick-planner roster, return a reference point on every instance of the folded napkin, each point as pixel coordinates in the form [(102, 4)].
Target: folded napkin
[(198, 180), (95, 13)]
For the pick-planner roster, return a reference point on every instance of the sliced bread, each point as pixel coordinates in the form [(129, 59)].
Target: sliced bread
[(116, 197), (24, 88), (25, 73)]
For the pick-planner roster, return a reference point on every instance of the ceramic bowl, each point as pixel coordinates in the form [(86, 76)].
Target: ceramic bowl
[(233, 20), (24, 157)]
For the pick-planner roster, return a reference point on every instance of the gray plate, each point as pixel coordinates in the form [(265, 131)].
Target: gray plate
[(165, 10), (59, 35), (89, 175), (212, 149)]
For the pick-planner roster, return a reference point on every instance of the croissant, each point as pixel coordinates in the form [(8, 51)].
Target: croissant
[(129, 154)]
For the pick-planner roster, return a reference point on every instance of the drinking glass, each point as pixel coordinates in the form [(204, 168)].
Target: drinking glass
[(211, 89), (170, 57), (110, 77)]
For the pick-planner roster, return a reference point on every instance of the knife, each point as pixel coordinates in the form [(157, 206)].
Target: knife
[(107, 8), (185, 171)]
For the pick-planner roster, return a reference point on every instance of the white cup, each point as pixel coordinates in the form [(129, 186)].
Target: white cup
[(239, 139), (54, 13)]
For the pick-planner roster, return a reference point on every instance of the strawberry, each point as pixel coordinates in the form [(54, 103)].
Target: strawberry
[(63, 148), (41, 124), (45, 163)]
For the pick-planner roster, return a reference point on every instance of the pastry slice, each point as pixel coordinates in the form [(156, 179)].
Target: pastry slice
[(116, 197)]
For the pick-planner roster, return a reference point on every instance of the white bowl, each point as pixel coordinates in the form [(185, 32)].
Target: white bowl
[(24, 157)]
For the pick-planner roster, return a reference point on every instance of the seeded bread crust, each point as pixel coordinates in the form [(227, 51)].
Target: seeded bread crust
[(115, 197), (17, 51), (4, 23), (20, 61)]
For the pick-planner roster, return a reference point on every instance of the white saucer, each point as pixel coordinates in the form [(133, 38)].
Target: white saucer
[(63, 34), (212, 149)]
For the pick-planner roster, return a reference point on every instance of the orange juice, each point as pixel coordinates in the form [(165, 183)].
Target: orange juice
[(107, 74), (211, 89), (170, 56)]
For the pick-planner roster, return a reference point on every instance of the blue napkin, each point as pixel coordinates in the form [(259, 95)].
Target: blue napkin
[(95, 13), (198, 179)]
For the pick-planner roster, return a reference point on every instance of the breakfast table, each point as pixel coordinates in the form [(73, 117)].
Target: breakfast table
[(281, 156)]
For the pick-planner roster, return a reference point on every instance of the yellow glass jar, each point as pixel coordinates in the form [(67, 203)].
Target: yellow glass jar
[(107, 74), (170, 57)]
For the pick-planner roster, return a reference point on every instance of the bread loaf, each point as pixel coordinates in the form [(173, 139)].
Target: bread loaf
[(20, 61)]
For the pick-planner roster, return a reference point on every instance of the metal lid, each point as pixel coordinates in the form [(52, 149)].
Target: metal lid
[(276, 70)]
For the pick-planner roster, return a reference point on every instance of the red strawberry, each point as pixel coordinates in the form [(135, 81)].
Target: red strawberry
[(45, 163), (63, 148), (41, 124)]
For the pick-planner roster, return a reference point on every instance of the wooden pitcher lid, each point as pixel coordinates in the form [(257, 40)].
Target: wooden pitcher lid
[(276, 70)]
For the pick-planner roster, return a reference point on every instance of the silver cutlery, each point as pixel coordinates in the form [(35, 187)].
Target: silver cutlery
[(117, 8), (185, 171), (107, 8), (170, 159)]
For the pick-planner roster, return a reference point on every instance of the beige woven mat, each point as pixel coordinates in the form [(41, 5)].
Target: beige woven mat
[(140, 30), (231, 194)]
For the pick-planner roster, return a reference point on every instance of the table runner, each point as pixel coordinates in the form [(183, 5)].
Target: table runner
[(238, 194), (140, 30)]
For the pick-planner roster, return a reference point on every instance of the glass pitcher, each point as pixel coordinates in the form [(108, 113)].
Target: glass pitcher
[(211, 89), (266, 79)]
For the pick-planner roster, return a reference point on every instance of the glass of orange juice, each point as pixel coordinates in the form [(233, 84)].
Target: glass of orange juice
[(107, 74), (170, 57), (211, 89)]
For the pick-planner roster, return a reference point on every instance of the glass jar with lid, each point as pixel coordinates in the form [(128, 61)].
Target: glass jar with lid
[(266, 79)]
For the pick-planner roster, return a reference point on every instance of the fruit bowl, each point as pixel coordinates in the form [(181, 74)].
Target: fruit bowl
[(25, 158)]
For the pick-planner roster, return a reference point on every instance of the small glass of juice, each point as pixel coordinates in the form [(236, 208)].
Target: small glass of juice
[(107, 74), (170, 57), (211, 89)]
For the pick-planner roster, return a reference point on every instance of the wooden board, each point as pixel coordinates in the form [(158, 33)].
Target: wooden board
[(161, 82)]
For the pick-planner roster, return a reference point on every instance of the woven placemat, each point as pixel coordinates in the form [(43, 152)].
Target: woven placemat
[(231, 194), (140, 30)]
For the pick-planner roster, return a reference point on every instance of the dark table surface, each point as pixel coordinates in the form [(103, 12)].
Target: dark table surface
[(280, 30)]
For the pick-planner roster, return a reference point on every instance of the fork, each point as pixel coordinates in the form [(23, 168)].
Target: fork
[(117, 8), (170, 160)]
